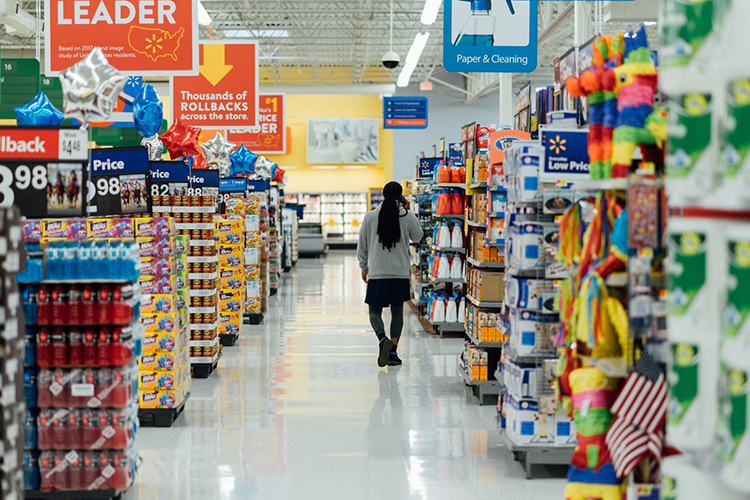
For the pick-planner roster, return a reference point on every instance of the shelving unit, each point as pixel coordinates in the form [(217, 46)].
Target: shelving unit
[(340, 215)]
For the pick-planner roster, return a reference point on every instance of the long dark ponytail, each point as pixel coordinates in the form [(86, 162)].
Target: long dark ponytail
[(389, 229)]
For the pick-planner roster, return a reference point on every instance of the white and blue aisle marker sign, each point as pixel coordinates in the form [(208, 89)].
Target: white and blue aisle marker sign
[(498, 36), (566, 155), (405, 112)]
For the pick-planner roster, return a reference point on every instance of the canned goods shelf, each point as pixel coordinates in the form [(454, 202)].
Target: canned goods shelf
[(203, 276), (203, 260), (202, 243), (204, 343), (204, 327), (202, 310), (192, 210), (203, 293)]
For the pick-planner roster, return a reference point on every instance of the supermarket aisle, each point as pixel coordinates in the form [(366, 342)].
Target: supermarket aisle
[(301, 410)]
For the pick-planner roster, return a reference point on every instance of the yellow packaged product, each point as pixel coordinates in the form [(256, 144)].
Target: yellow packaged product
[(230, 301), (157, 361), (230, 256), (152, 303), (160, 399)]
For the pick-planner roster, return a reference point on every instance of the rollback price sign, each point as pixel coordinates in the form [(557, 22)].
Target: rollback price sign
[(118, 181), (43, 170)]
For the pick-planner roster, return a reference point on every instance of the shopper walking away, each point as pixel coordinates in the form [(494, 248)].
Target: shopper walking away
[(383, 253)]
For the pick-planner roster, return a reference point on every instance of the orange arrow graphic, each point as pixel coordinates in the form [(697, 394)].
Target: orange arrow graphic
[(213, 68)]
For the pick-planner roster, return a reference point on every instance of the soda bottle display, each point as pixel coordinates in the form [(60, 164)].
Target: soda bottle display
[(104, 347), (43, 306), (88, 305), (59, 306), (59, 341), (104, 307), (75, 296), (75, 347), (89, 347)]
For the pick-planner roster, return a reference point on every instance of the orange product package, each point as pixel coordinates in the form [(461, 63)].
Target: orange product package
[(457, 204), (443, 173), (456, 175), (444, 204)]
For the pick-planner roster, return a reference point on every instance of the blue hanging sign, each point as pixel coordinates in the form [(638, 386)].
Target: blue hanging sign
[(497, 36), (405, 112), (426, 169), (169, 178), (203, 182), (566, 155), (258, 186), (119, 181)]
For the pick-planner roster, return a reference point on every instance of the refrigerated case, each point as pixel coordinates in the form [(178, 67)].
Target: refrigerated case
[(340, 215), (310, 241)]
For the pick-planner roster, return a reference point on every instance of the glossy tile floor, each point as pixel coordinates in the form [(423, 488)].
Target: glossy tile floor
[(300, 409)]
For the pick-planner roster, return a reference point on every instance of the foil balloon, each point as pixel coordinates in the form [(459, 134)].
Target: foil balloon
[(242, 162), (263, 168), (218, 151), (39, 111), (91, 88), (181, 140), (155, 147), (148, 111), (278, 175), (197, 161)]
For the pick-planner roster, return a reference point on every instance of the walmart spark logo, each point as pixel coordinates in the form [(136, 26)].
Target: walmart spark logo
[(557, 145)]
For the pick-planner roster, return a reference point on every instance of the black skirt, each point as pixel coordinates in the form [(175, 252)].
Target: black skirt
[(387, 292)]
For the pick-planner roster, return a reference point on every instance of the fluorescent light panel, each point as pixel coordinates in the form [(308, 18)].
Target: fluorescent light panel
[(325, 167), (430, 12), (203, 17), (412, 58)]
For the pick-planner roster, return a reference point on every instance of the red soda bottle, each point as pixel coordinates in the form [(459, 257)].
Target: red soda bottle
[(75, 475), (46, 470), (44, 429), (122, 305), (59, 341), (89, 347), (43, 307), (88, 377), (88, 305), (60, 306), (122, 351), (58, 389), (62, 479), (59, 431), (105, 428), (75, 297), (43, 348), (119, 423), (90, 469), (104, 307), (44, 383), (90, 428), (104, 347), (75, 347), (104, 386), (75, 430), (120, 478), (105, 470), (121, 394)]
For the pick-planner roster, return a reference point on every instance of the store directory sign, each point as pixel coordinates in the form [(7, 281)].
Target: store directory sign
[(225, 93), (501, 38), (118, 182), (405, 112), (169, 178), (43, 170), (139, 38)]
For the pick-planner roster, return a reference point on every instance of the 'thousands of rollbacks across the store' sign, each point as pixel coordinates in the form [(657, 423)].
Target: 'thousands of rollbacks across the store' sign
[(405, 112), (225, 93), (138, 37), (119, 181), (42, 170), (486, 36), (566, 155)]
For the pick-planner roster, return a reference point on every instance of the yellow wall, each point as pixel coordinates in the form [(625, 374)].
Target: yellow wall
[(300, 107)]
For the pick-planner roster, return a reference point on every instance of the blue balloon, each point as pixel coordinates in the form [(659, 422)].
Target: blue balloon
[(148, 111), (242, 162), (39, 112)]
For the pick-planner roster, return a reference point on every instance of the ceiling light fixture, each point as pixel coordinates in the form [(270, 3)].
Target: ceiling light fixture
[(430, 12), (203, 17), (325, 167), (412, 58), (355, 167)]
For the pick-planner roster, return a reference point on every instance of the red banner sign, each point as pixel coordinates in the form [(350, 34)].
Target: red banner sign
[(269, 135), (43, 144), (138, 37), (224, 94)]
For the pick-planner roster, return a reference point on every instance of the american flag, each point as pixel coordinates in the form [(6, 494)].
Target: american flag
[(637, 431)]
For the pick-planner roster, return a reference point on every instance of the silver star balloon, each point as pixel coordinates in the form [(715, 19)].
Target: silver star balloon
[(155, 147), (217, 151), (263, 168), (224, 171), (90, 88)]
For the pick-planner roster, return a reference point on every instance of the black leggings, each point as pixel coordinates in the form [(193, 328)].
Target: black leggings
[(397, 321)]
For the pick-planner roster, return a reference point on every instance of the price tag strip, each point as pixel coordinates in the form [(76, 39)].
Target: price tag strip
[(119, 182), (42, 170)]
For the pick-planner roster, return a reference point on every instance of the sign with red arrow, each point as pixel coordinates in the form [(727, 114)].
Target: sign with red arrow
[(224, 94)]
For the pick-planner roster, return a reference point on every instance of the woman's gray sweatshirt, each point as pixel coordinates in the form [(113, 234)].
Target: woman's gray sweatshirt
[(380, 262)]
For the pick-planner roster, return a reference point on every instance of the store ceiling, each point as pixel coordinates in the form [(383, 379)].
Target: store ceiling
[(320, 42)]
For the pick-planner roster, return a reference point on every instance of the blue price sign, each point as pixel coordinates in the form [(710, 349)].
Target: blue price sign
[(498, 36), (426, 169), (566, 155), (405, 112), (203, 182), (119, 181), (169, 178), (258, 185)]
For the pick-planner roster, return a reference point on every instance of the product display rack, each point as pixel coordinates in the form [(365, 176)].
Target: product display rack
[(375, 198), (340, 214), (289, 225), (420, 204)]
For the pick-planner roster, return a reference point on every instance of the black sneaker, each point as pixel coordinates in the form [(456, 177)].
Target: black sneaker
[(394, 360), (385, 351)]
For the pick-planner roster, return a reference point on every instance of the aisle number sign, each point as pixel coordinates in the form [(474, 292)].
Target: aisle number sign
[(269, 135), (138, 37), (224, 94), (42, 170)]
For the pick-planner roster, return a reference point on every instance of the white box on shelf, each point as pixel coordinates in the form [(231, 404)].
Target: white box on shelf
[(526, 425), (565, 431)]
